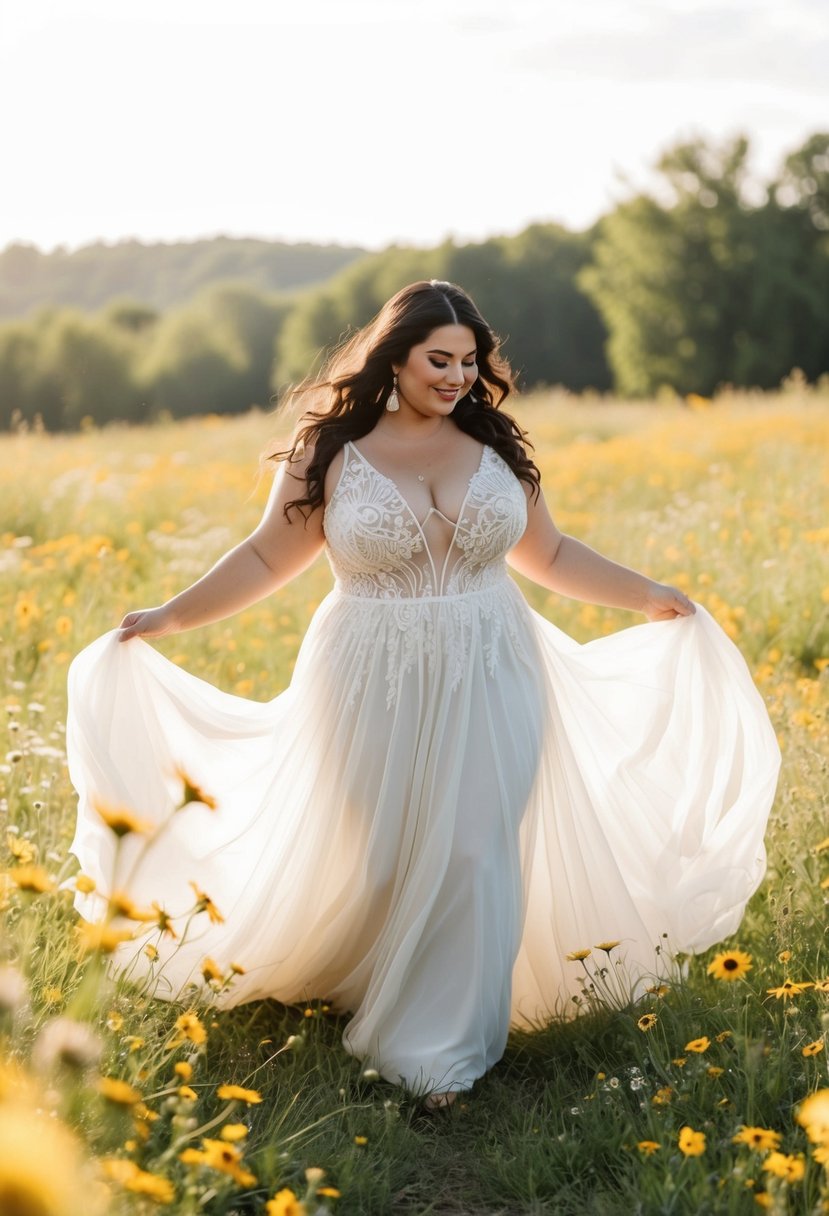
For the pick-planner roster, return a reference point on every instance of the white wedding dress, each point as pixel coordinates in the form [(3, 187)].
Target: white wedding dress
[(449, 797)]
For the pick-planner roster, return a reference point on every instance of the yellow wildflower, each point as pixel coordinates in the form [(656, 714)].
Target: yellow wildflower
[(813, 1115), (788, 989), (101, 937), (730, 965), (699, 1045), (230, 1092), (143, 1113), (714, 1071), (210, 970), (576, 956), (22, 850), (285, 1203), (121, 820), (119, 1092), (361, 1141), (31, 878), (29, 1142), (662, 1096), (164, 920), (121, 904), (191, 1028), (183, 1070), (648, 1147), (232, 1132), (606, 946), (193, 792), (26, 611), (185, 1091), (691, 1143), (812, 1049), (784, 1165), (761, 1139), (647, 1021), (205, 904), (141, 1182), (218, 1155)]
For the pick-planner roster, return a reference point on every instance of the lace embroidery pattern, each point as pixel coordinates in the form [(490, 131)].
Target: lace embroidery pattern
[(392, 594)]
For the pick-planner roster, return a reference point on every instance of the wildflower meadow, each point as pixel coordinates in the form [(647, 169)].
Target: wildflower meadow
[(710, 1095)]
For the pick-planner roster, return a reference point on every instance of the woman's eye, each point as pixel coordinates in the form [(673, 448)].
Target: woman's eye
[(435, 363)]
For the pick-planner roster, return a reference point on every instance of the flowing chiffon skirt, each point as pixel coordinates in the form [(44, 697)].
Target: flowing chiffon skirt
[(425, 852)]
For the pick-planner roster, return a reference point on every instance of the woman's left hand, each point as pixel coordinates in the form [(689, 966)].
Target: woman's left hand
[(663, 603)]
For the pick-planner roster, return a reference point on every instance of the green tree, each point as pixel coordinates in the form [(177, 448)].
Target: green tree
[(18, 358), (130, 315), (192, 367), (253, 320), (525, 286), (83, 370), (712, 284), (804, 181), (672, 280)]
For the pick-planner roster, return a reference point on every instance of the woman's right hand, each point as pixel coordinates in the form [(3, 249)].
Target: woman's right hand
[(147, 623)]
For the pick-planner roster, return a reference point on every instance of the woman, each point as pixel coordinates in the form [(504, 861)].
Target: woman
[(451, 795)]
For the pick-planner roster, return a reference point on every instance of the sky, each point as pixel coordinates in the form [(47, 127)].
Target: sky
[(370, 122)]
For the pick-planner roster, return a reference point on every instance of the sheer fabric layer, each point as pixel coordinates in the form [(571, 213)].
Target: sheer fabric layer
[(450, 796)]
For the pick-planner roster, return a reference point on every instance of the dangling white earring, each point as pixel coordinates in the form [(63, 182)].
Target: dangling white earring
[(393, 401)]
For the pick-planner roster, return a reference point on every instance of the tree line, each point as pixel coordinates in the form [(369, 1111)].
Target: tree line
[(712, 278), (162, 275)]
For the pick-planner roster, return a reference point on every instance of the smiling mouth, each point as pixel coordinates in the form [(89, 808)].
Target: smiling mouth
[(447, 392)]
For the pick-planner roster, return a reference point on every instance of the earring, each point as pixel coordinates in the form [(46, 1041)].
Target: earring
[(393, 401)]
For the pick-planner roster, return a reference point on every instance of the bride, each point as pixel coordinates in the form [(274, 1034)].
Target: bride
[(452, 795)]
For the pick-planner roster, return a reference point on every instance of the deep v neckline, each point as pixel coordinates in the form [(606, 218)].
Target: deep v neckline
[(438, 578), (454, 524)]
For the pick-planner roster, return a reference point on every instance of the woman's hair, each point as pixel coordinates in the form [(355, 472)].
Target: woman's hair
[(346, 400)]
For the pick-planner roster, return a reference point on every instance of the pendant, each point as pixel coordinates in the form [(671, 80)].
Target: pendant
[(420, 477)]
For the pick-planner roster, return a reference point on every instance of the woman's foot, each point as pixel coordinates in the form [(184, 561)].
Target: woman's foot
[(433, 1102)]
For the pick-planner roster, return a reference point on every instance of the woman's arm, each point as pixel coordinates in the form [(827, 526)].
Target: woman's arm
[(569, 567), (275, 552)]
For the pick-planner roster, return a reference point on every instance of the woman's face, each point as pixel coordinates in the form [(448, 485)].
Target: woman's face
[(438, 372)]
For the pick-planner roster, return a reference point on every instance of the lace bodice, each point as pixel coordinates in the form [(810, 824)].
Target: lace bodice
[(378, 549)]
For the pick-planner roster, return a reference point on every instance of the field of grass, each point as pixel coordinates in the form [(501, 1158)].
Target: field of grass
[(112, 1102)]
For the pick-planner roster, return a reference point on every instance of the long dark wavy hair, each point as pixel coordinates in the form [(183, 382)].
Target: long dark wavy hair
[(346, 400)]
